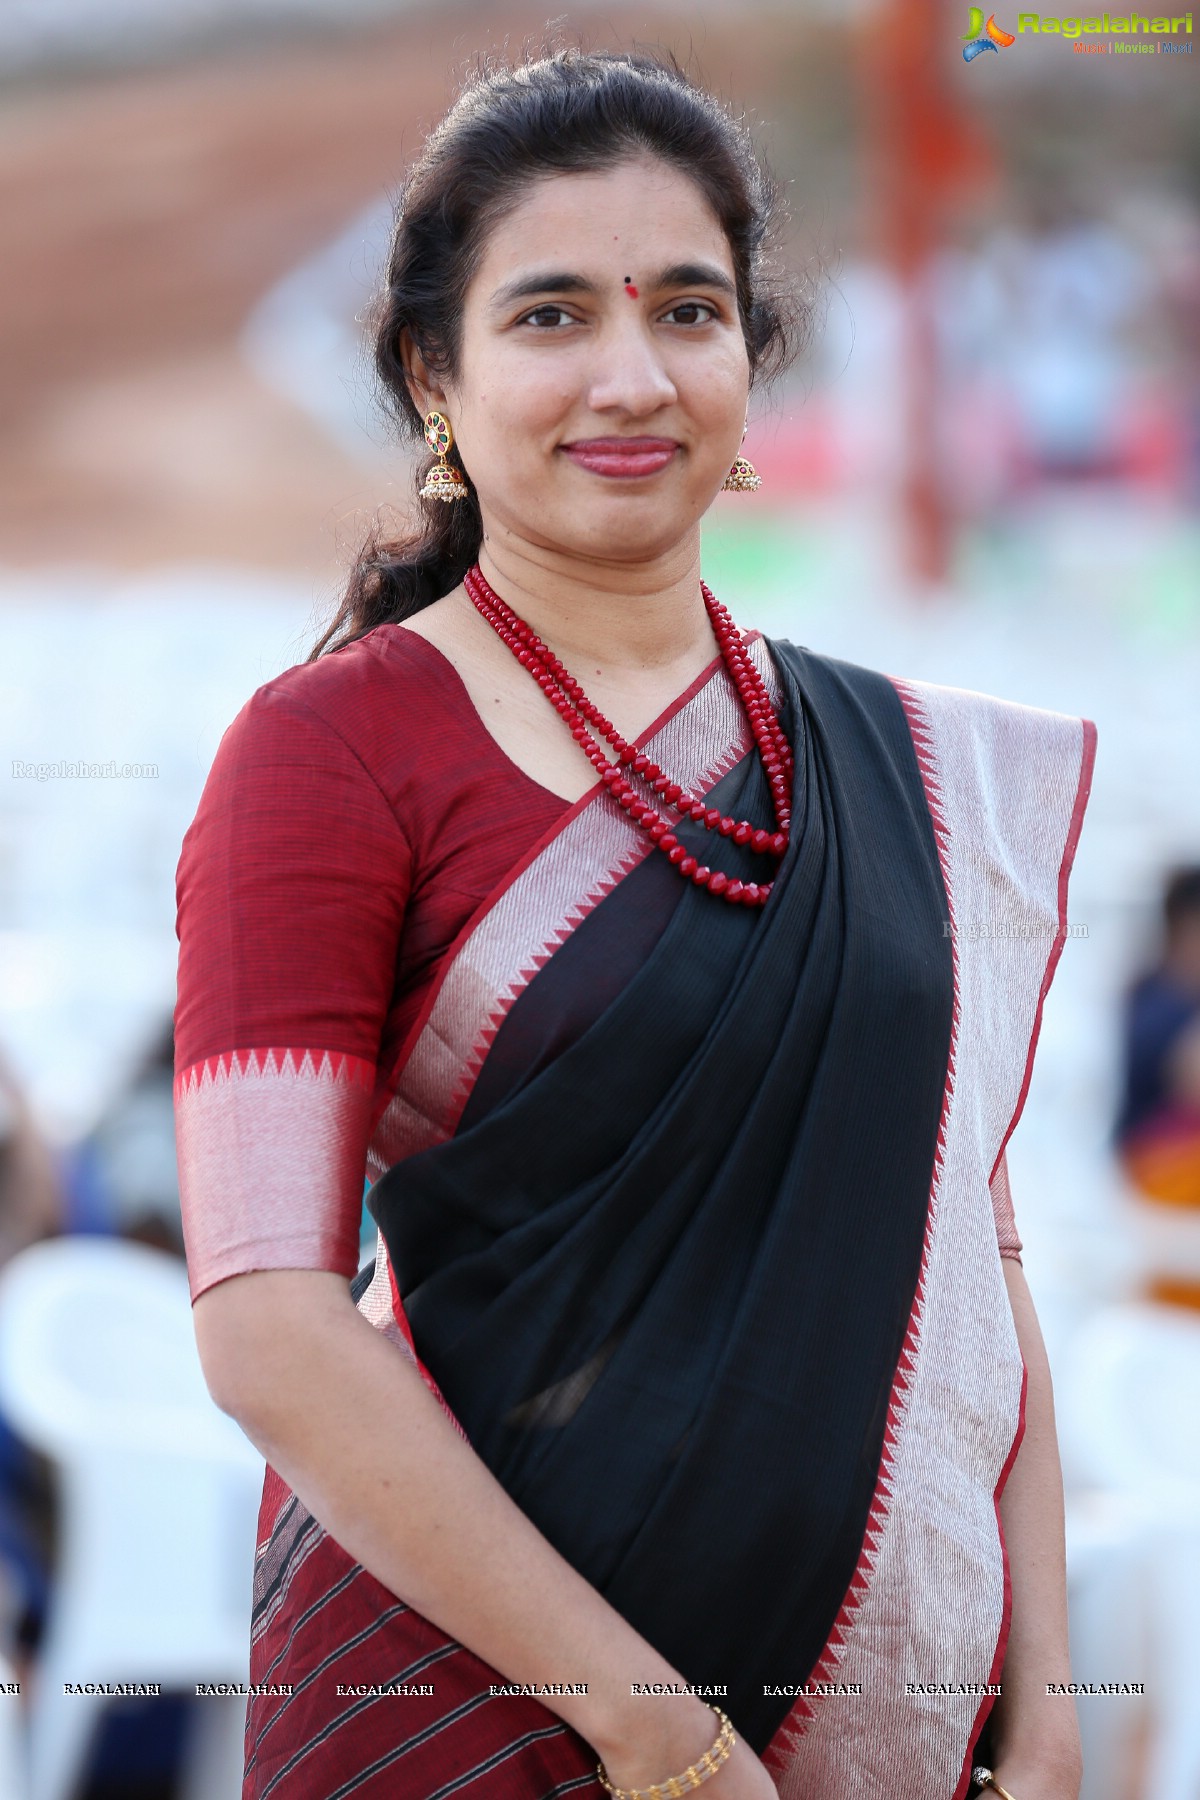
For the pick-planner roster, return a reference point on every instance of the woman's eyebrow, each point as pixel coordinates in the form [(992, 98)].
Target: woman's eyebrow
[(695, 274), (541, 281), (562, 281)]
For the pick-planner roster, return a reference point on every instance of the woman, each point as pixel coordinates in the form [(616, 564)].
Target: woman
[(687, 1374), (1157, 1130)]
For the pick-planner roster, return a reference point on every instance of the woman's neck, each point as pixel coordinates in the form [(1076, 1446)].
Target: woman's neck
[(610, 617)]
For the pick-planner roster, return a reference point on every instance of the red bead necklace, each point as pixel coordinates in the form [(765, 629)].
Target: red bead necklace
[(577, 711)]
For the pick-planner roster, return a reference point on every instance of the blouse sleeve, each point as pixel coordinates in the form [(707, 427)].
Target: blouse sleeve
[(1002, 1209), (290, 894)]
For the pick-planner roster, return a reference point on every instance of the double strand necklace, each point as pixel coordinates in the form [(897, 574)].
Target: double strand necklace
[(578, 713)]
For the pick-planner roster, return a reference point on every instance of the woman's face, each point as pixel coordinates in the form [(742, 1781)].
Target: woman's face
[(601, 391)]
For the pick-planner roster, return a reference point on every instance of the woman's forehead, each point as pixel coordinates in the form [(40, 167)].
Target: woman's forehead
[(641, 206)]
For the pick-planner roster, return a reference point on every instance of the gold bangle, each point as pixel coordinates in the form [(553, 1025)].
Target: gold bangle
[(985, 1779), (677, 1785)]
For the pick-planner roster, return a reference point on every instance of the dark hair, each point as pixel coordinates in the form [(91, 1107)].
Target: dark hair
[(565, 113)]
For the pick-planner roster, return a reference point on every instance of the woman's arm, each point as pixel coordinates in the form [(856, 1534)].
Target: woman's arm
[(1036, 1734), (308, 1378)]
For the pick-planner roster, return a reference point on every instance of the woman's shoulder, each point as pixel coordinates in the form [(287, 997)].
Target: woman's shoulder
[(387, 692), (984, 709), (985, 761), (986, 748), (980, 714)]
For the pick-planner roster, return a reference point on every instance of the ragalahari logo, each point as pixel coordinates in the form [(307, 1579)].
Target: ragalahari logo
[(994, 37), (1120, 32)]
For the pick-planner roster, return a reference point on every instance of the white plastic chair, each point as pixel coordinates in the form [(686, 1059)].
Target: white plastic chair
[(158, 1497), (1127, 1412), (1108, 1549)]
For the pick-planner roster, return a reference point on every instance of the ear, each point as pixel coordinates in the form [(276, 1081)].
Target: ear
[(423, 384)]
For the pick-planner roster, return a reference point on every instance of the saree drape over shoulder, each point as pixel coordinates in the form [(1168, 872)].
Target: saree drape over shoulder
[(692, 1217)]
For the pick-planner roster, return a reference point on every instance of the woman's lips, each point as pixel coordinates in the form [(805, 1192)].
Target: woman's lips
[(622, 456)]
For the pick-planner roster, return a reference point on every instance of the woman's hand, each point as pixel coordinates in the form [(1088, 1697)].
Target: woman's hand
[(308, 1377), (1053, 1774), (1035, 1732), (675, 1739), (742, 1777)]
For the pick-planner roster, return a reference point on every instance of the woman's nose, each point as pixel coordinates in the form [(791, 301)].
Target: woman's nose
[(630, 376)]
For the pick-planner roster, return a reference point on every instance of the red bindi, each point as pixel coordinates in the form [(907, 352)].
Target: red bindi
[(630, 289)]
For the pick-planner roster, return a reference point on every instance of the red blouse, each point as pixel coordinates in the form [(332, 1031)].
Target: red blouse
[(357, 814)]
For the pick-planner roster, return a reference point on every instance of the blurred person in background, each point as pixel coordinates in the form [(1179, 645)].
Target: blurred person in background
[(30, 1193), (121, 1180), (30, 1209), (1158, 1126), (1069, 286), (690, 1275), (125, 1176)]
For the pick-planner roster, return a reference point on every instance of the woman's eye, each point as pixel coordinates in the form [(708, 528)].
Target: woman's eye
[(552, 317), (686, 313), (546, 318)]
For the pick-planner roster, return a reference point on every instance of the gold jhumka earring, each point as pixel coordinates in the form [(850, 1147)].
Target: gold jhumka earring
[(443, 481), (743, 478)]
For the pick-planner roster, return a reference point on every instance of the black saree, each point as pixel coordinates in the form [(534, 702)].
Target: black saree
[(663, 1261)]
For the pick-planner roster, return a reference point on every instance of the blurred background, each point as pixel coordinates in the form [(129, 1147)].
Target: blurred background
[(985, 473)]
